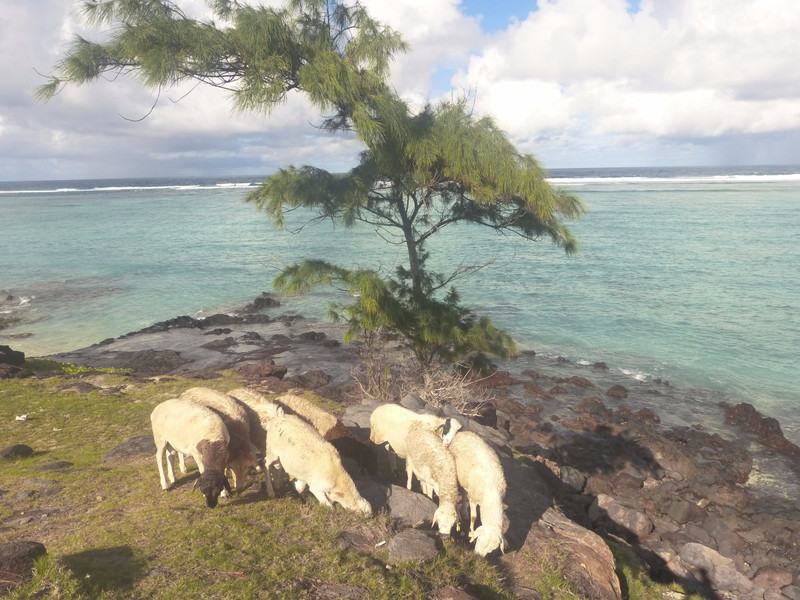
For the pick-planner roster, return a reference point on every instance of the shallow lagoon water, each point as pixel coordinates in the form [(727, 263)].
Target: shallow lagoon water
[(690, 276)]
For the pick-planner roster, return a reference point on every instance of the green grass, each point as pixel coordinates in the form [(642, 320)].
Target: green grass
[(112, 534)]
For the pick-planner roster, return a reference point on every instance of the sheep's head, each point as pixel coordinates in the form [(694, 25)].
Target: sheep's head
[(211, 483), (488, 539), (448, 430), (351, 501), (446, 517)]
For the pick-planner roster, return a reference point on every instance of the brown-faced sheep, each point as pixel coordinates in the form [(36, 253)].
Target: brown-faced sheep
[(240, 453), (189, 428)]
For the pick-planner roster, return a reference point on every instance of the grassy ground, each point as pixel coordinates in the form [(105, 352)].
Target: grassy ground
[(111, 533)]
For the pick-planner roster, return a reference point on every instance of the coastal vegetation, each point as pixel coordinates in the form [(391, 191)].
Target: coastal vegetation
[(421, 170), (111, 533)]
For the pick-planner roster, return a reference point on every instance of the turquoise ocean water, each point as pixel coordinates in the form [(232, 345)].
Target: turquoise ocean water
[(686, 275)]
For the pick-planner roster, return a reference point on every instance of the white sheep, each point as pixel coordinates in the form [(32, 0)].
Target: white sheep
[(389, 424), (481, 475), (240, 454), (435, 468), (312, 462), (189, 428), (260, 411), (332, 429)]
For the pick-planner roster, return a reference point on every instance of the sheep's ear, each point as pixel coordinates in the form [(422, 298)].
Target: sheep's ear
[(226, 485), (439, 430)]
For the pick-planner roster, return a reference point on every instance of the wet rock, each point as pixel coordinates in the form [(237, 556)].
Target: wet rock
[(11, 357), (16, 562), (220, 345), (141, 444), (264, 301), (412, 544), (148, 363), (312, 337), (16, 451), (261, 370), (617, 391), (312, 380), (577, 381), (767, 429)]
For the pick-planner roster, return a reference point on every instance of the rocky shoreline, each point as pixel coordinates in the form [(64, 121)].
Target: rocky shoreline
[(676, 495)]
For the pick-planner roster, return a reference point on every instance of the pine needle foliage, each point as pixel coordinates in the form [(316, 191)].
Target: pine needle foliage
[(332, 51), (439, 167)]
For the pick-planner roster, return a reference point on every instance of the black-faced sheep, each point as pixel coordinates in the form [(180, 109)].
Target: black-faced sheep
[(240, 453), (311, 461), (435, 468), (481, 475), (189, 428)]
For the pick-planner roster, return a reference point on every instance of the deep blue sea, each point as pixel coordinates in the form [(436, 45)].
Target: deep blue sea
[(685, 274)]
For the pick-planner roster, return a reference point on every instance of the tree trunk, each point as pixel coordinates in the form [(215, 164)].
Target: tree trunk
[(414, 263)]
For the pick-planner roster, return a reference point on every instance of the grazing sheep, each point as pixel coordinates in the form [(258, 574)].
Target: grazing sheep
[(481, 475), (308, 458), (435, 468), (260, 411), (332, 430), (240, 453), (190, 428), (389, 424)]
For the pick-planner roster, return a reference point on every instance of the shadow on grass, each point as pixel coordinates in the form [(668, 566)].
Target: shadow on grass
[(106, 568)]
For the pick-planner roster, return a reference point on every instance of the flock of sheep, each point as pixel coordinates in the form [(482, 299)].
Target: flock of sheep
[(229, 431)]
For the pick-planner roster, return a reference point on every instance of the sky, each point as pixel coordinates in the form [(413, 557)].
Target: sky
[(576, 83)]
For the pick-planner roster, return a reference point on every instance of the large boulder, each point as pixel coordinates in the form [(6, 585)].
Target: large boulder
[(554, 543), (11, 357), (16, 563)]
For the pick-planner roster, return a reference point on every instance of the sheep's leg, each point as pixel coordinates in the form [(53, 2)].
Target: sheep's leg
[(170, 467), (182, 462), (160, 460), (268, 460), (268, 482), (409, 472), (473, 515), (320, 496)]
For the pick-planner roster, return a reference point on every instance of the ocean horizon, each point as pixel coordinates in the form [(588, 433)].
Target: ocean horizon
[(686, 274)]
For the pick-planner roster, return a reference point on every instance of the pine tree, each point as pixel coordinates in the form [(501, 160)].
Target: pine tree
[(444, 167), (420, 172)]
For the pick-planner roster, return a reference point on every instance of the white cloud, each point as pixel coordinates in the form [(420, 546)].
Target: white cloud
[(687, 68), (577, 82)]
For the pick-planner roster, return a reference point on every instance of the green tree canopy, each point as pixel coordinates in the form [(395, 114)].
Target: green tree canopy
[(448, 167), (332, 51)]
